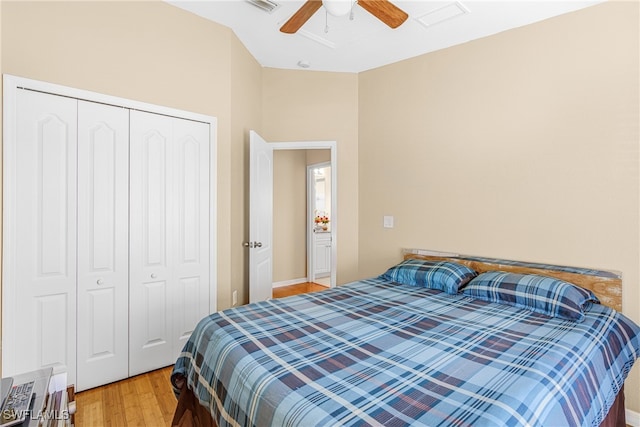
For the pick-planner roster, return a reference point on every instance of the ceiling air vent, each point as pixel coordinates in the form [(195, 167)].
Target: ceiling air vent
[(443, 13), (266, 5)]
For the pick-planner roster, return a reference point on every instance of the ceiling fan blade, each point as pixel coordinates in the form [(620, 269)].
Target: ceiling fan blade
[(301, 16), (385, 11)]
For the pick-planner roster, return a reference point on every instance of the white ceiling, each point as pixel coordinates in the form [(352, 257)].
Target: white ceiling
[(365, 42)]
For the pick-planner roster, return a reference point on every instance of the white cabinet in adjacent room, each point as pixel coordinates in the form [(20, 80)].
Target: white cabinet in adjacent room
[(109, 232), (322, 253)]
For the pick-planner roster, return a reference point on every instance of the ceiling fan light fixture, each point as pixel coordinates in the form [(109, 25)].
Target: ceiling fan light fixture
[(337, 7), (384, 10)]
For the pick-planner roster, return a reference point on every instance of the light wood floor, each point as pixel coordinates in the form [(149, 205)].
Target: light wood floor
[(147, 399), (143, 400), (302, 288)]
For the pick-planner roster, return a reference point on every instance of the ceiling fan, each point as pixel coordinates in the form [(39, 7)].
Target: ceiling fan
[(384, 10)]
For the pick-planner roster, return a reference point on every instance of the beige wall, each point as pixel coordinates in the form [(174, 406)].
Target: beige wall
[(289, 215), (290, 211), (315, 106), (246, 115), (318, 156), (523, 145)]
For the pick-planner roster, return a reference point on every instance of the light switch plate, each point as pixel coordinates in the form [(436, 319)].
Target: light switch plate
[(387, 221)]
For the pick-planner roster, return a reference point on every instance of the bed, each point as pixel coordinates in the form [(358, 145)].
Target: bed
[(435, 340)]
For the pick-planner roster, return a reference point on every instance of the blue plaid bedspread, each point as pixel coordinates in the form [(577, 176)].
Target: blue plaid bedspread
[(378, 353)]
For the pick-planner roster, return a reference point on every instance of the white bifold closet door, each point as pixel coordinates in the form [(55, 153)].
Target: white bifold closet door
[(169, 229), (39, 328), (107, 234), (103, 244)]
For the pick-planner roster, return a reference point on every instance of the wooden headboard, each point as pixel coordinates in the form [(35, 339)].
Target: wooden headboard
[(605, 284)]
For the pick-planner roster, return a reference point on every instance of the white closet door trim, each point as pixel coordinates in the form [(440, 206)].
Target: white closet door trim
[(9, 243), (11, 85), (21, 82)]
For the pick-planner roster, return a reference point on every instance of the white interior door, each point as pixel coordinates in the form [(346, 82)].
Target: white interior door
[(260, 219), (190, 279), (103, 244), (39, 316), (169, 230), (151, 242)]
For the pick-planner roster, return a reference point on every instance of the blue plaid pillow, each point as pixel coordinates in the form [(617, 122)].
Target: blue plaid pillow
[(442, 275), (544, 295)]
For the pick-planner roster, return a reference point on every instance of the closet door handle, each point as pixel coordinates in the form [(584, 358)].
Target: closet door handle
[(154, 275), (99, 281), (252, 244)]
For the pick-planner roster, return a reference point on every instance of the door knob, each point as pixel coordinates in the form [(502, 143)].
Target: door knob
[(99, 281), (252, 244), (153, 275)]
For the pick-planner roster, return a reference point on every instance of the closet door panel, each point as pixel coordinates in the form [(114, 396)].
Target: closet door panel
[(42, 285), (103, 247), (151, 248), (191, 234)]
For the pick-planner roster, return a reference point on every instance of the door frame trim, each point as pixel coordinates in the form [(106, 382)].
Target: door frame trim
[(333, 147), (311, 247)]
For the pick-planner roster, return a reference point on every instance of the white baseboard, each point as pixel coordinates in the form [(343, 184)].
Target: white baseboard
[(289, 282)]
